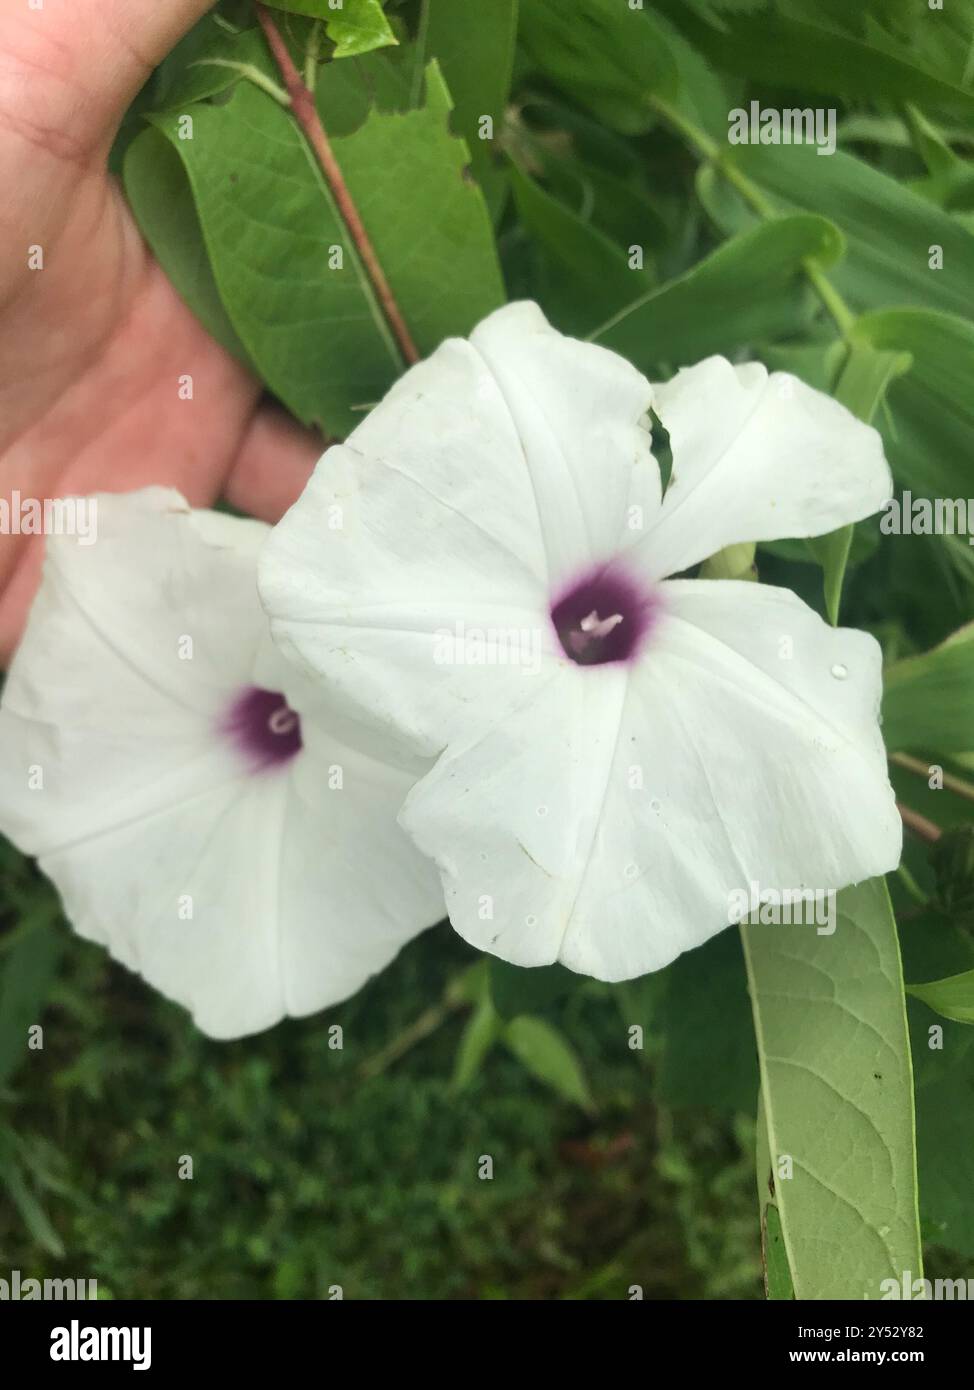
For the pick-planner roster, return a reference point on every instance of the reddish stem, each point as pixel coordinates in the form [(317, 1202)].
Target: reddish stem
[(306, 115), (923, 829)]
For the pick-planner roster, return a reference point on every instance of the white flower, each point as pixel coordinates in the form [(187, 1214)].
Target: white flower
[(619, 752), (202, 811)]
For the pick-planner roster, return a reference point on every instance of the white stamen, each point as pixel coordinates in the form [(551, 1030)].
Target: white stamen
[(282, 721), (600, 627)]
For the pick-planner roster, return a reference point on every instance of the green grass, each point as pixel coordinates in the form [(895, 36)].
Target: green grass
[(305, 1176)]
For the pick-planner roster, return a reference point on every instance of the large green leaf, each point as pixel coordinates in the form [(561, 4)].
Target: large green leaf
[(889, 230), (837, 1085), (587, 277), (605, 54), (749, 290), (800, 52), (207, 61), (313, 329), (932, 407), (161, 198), (708, 1053), (861, 388), (928, 700), (944, 1059), (474, 46)]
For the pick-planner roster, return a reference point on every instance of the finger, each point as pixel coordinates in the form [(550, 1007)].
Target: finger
[(274, 463), (70, 68), (18, 591)]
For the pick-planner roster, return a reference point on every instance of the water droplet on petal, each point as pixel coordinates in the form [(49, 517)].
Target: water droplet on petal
[(839, 671)]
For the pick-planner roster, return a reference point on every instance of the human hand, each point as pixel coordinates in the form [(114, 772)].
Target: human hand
[(94, 342)]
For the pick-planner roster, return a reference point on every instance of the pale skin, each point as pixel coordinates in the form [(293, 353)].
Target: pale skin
[(93, 346)]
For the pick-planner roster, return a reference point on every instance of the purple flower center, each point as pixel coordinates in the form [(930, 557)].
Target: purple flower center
[(264, 727), (603, 617)]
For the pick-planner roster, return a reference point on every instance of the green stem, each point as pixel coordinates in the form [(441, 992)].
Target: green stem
[(311, 56), (418, 1030), (249, 73), (755, 198)]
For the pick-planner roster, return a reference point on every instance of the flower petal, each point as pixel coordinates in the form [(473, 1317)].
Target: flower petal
[(510, 815), (757, 458), (718, 761), (751, 731), (243, 895), (580, 412), (486, 474)]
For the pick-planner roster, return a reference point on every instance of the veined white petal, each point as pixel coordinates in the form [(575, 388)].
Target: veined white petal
[(510, 816), (244, 895), (757, 458), (609, 824), (749, 752), (580, 414), (450, 518)]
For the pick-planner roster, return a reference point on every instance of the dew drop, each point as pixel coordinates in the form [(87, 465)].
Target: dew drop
[(531, 921), (839, 671), (542, 811)]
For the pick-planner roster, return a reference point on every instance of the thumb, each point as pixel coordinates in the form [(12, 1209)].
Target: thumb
[(71, 67)]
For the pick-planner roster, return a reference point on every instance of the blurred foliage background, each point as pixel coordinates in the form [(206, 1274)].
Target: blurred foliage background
[(613, 1166)]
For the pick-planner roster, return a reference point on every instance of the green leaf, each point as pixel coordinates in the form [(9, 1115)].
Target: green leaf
[(889, 230), (933, 406), (943, 1061), (774, 1257), (312, 328), (515, 990), (605, 54), (482, 1030), (589, 278), (708, 1053), (952, 859), (474, 46), (816, 57), (546, 1054), (751, 289), (32, 1214), (777, 1275), (944, 1058), (189, 73), (28, 972), (160, 196), (952, 997), (354, 26), (837, 1083), (928, 700), (861, 388)]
